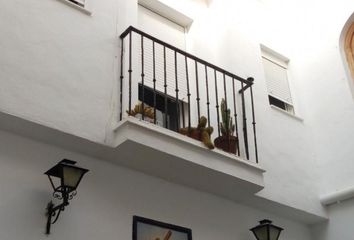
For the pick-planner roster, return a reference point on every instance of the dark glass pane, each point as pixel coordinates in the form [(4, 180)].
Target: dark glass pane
[(276, 102), (160, 104)]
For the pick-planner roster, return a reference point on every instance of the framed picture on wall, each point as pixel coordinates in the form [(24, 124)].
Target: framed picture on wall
[(148, 229)]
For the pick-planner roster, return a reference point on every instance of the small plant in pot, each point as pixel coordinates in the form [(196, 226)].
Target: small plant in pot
[(227, 141), (139, 110), (200, 133)]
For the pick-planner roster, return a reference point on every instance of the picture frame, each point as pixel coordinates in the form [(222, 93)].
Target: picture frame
[(148, 229)]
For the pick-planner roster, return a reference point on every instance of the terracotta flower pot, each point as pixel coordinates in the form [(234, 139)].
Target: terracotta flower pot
[(227, 143)]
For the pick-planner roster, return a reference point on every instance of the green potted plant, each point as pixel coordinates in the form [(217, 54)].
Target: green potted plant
[(227, 141)]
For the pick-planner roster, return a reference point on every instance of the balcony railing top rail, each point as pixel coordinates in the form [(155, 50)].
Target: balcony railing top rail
[(130, 29), (169, 81)]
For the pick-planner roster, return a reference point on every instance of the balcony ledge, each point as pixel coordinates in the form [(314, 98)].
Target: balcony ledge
[(158, 152), (177, 158), (215, 172)]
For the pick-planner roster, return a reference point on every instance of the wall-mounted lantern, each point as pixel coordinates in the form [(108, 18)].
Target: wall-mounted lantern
[(69, 176), (266, 230)]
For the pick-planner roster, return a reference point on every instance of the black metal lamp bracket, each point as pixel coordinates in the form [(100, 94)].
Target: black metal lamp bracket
[(54, 211)]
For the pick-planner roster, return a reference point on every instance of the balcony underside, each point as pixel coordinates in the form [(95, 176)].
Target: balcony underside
[(176, 158), (216, 172)]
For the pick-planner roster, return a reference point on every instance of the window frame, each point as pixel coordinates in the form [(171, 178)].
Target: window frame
[(182, 39), (168, 12), (80, 5), (281, 61), (160, 107)]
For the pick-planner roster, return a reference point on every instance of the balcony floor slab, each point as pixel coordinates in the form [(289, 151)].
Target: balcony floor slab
[(180, 159)]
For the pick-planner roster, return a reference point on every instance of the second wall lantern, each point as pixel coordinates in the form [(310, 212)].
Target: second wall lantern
[(266, 230), (68, 176)]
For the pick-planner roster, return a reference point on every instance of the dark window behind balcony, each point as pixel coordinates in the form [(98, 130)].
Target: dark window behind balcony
[(171, 115)]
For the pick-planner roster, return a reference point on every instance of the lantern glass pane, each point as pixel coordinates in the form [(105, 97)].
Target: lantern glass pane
[(72, 176), (261, 233), (274, 233)]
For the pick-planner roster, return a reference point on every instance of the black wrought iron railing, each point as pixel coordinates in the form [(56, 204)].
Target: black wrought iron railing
[(167, 86)]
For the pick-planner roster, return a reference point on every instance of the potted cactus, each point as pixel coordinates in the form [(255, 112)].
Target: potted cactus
[(138, 111), (200, 133), (227, 141)]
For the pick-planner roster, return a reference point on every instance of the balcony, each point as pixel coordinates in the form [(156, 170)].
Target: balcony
[(174, 106)]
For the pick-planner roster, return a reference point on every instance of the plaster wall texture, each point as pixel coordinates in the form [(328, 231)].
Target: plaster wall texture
[(65, 76), (333, 115), (75, 69), (70, 64), (315, 154), (108, 197), (304, 32)]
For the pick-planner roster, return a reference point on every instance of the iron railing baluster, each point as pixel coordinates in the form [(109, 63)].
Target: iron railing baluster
[(130, 73), (217, 102), (197, 89), (226, 112), (142, 79), (183, 115), (245, 137), (121, 79), (207, 93), (235, 115), (188, 95), (165, 86), (254, 122), (154, 78), (177, 100)]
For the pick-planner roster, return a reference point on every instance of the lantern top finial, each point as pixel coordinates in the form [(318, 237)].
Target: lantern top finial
[(266, 230), (265, 221), (55, 170)]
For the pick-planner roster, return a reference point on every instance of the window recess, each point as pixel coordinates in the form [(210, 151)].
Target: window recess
[(80, 3), (160, 108), (167, 12), (170, 32), (276, 75)]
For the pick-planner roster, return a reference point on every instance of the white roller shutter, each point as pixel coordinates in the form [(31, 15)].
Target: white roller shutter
[(172, 33), (161, 28), (277, 80)]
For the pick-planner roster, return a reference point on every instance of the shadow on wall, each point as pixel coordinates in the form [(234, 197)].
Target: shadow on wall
[(338, 227)]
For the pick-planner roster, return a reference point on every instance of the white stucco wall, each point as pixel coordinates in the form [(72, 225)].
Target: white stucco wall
[(64, 74), (286, 148), (304, 33), (312, 41), (108, 197), (310, 157), (53, 53), (333, 112)]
